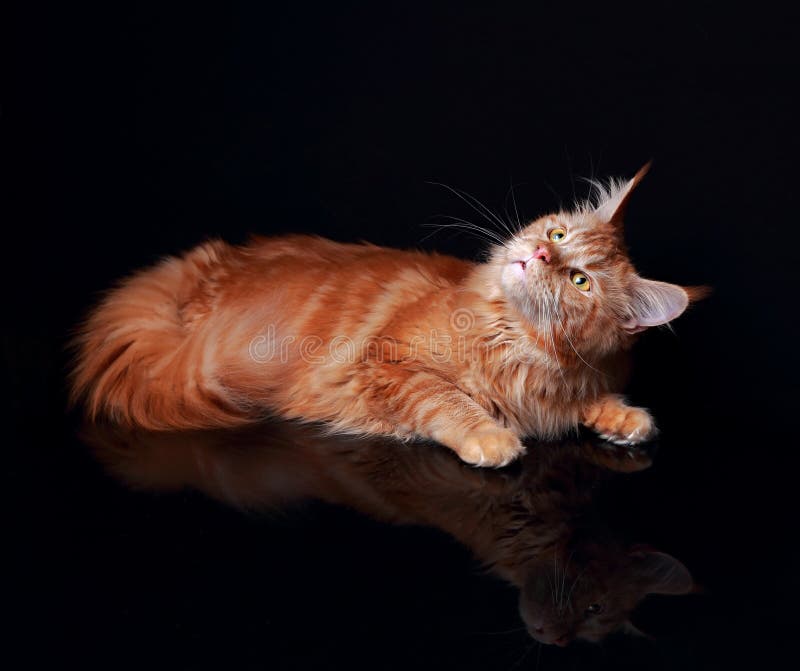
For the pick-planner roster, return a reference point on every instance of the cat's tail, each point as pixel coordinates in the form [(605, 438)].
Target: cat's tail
[(140, 355)]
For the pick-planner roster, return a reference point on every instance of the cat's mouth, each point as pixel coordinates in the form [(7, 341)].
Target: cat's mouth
[(538, 634), (523, 264)]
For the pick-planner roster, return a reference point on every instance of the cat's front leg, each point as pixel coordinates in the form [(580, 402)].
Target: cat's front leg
[(618, 422), (434, 408)]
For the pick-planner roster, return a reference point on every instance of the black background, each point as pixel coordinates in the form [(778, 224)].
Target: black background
[(129, 132)]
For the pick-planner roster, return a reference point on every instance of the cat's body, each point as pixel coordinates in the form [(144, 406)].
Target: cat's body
[(381, 341)]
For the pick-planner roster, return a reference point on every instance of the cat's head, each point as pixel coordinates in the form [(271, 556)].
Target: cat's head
[(587, 596), (569, 274)]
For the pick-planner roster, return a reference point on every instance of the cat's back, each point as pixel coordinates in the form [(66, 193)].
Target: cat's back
[(315, 253)]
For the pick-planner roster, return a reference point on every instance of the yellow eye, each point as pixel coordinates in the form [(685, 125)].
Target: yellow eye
[(581, 281), (557, 235)]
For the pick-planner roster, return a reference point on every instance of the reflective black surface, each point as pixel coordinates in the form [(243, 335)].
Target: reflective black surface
[(133, 131), (277, 547), (536, 526)]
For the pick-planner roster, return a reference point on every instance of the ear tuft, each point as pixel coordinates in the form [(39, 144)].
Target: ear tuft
[(653, 303), (614, 200)]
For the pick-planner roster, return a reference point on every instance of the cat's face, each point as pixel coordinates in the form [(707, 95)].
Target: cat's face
[(569, 275), (589, 597), (570, 272)]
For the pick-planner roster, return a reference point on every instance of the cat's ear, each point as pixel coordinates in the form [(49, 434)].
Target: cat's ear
[(652, 303), (660, 573), (612, 208)]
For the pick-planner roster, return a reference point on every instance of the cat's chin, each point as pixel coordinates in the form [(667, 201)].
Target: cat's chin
[(516, 282)]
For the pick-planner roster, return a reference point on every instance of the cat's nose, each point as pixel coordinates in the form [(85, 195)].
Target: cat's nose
[(542, 253)]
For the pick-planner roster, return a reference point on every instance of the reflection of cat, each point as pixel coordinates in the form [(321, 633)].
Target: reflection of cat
[(533, 528)]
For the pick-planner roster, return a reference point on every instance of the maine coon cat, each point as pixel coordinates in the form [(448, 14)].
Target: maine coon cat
[(380, 341), (535, 528)]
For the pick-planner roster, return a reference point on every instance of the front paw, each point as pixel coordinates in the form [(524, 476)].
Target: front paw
[(623, 425), (492, 446)]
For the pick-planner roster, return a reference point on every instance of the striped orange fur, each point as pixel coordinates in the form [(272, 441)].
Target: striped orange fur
[(382, 341)]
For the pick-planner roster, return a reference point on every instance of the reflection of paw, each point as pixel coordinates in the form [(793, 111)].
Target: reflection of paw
[(624, 459), (623, 425), (490, 447)]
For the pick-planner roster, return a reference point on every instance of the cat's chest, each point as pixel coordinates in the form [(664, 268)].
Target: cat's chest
[(534, 400)]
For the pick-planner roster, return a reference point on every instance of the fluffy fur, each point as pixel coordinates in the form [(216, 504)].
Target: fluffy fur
[(381, 341)]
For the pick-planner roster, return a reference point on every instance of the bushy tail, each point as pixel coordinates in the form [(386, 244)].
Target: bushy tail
[(140, 352)]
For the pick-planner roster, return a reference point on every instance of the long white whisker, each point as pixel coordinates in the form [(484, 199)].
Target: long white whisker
[(575, 583), (488, 234), (555, 579), (468, 226), (478, 206), (516, 211), (566, 335), (553, 340), (564, 579)]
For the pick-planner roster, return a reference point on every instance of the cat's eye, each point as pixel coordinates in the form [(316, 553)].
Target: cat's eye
[(557, 234), (594, 609), (581, 281)]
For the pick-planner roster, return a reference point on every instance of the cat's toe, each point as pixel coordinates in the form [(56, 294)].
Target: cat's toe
[(629, 427), (494, 447), (638, 427)]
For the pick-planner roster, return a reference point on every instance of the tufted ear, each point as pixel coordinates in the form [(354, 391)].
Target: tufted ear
[(653, 303), (660, 573), (614, 201)]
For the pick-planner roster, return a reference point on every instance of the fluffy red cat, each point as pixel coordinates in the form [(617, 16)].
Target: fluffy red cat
[(381, 341)]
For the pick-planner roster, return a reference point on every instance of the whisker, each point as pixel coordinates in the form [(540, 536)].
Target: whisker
[(564, 580), (575, 583), (555, 194), (517, 218), (553, 340), (552, 585), (465, 225), (566, 335), (478, 206)]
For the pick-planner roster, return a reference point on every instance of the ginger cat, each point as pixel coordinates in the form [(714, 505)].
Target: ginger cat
[(385, 342), (535, 528)]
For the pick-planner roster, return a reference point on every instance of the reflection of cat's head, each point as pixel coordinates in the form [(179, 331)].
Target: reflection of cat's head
[(532, 525), (590, 591)]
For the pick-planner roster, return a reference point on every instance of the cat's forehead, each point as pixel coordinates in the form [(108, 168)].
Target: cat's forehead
[(588, 242), (573, 222)]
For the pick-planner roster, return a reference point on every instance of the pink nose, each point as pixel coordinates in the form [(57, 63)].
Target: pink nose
[(542, 253)]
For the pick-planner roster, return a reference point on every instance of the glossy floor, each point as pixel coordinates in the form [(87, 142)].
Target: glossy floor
[(277, 547)]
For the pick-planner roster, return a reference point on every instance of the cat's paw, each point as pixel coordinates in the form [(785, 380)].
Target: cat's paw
[(622, 424), (494, 447)]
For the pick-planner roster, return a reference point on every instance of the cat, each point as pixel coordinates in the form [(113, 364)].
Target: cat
[(536, 528), (379, 341)]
